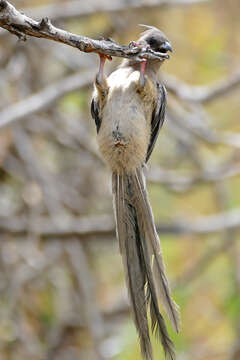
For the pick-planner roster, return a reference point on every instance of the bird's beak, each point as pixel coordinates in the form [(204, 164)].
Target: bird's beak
[(166, 47)]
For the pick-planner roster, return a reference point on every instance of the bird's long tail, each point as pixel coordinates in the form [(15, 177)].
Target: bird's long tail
[(143, 264)]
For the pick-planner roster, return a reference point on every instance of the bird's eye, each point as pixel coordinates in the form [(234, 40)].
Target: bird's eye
[(152, 41)]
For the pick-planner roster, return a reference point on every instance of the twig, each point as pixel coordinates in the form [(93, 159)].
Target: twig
[(22, 26), (203, 262), (103, 225), (232, 139), (226, 243), (44, 98), (181, 183), (29, 157), (76, 9), (203, 94), (79, 264), (235, 351), (192, 121)]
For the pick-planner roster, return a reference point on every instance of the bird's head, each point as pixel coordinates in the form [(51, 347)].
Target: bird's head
[(156, 39)]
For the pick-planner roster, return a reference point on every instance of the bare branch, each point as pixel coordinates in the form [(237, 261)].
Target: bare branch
[(104, 225), (210, 174), (23, 26), (235, 351), (76, 9), (44, 98), (79, 264), (203, 262), (224, 245), (202, 94), (232, 139), (192, 121)]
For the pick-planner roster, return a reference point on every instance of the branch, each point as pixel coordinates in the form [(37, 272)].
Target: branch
[(44, 98), (204, 261), (203, 94), (80, 267), (181, 183), (232, 139), (76, 9), (104, 225), (22, 26)]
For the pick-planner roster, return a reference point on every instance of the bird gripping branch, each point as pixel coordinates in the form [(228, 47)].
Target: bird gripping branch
[(129, 109)]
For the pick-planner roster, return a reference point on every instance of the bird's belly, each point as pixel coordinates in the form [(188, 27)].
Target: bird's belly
[(125, 130), (123, 140)]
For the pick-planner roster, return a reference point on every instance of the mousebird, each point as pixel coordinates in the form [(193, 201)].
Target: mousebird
[(128, 107)]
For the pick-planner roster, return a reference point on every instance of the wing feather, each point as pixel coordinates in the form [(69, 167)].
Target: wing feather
[(95, 113), (158, 117)]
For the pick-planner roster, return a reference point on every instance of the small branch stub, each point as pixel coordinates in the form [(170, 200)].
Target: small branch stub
[(45, 24)]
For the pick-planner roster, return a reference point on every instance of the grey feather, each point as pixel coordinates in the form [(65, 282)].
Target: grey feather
[(137, 265), (135, 277), (144, 212), (158, 323), (158, 117), (148, 28)]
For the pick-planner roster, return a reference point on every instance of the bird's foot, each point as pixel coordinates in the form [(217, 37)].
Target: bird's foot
[(142, 78), (134, 44), (100, 78)]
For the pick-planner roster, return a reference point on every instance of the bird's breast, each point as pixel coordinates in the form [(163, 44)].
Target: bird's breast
[(125, 130)]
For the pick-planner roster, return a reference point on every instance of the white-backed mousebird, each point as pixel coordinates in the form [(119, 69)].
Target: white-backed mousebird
[(129, 109)]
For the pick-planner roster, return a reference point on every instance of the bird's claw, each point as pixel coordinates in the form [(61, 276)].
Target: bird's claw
[(133, 44), (104, 56)]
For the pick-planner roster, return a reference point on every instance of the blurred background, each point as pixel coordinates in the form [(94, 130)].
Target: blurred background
[(62, 291)]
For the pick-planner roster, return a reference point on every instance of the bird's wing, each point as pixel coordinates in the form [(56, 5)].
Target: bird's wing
[(158, 117), (95, 113)]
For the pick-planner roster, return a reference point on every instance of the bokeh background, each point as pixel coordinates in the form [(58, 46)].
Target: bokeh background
[(62, 291)]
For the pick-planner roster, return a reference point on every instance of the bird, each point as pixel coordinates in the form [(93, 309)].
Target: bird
[(129, 107)]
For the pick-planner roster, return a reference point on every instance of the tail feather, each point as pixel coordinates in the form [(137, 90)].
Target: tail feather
[(135, 277), (158, 323), (145, 216), (138, 241)]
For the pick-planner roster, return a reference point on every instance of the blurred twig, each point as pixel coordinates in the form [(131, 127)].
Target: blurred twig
[(212, 174), (79, 264), (104, 225), (44, 98), (203, 94), (73, 9)]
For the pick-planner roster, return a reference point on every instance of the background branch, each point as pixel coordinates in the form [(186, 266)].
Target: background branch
[(73, 9), (96, 226)]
